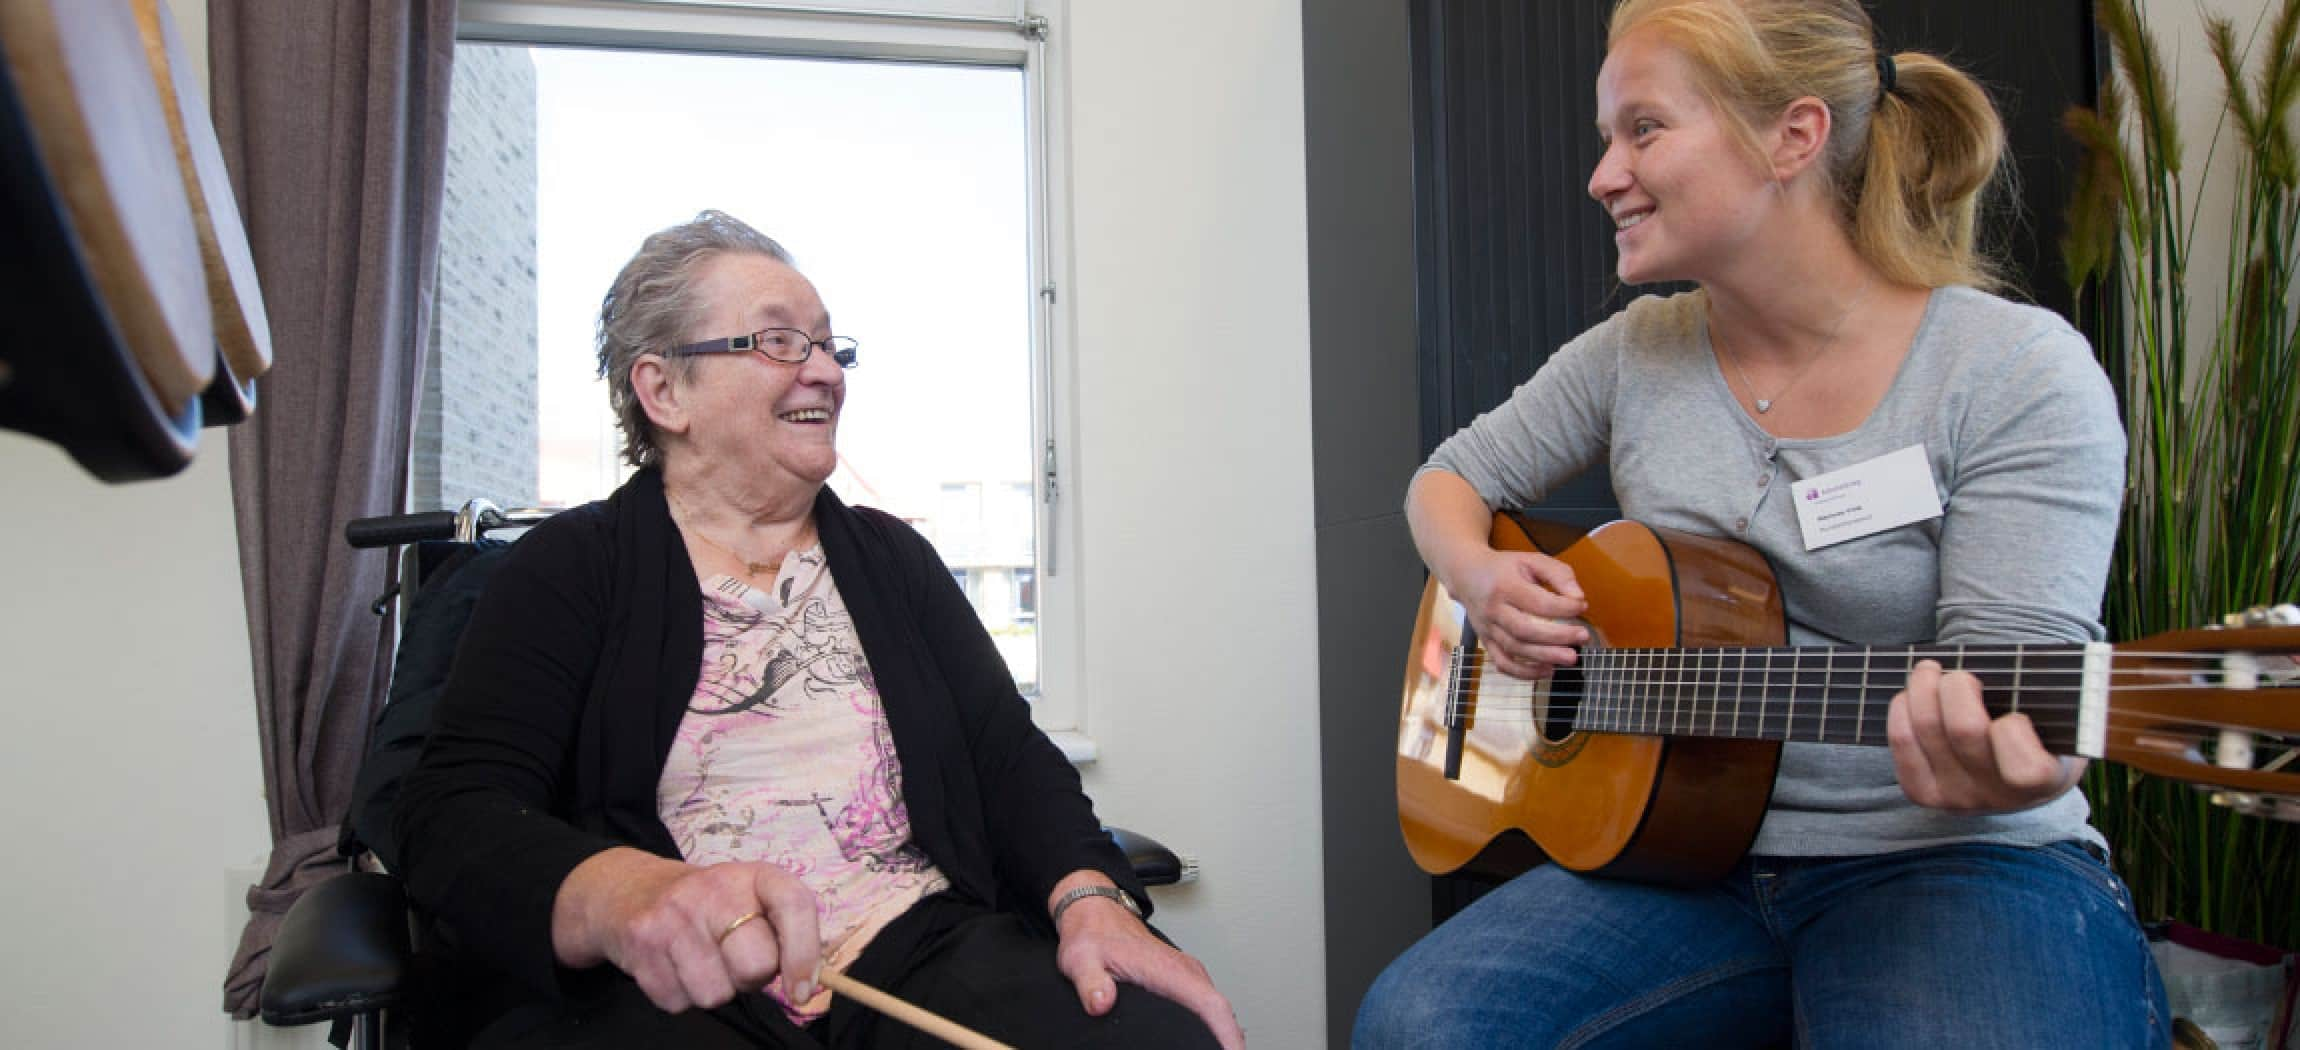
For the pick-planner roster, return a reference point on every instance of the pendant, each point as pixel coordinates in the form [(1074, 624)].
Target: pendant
[(1764, 406), (754, 568)]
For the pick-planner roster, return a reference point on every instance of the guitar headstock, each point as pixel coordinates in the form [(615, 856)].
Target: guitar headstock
[(2218, 707)]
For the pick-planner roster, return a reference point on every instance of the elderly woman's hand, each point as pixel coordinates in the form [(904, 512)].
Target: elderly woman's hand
[(1104, 943), (690, 936), (1950, 755)]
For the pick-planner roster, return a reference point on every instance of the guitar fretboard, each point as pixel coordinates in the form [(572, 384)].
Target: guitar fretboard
[(1821, 695)]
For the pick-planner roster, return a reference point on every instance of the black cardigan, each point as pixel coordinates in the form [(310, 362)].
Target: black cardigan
[(576, 670)]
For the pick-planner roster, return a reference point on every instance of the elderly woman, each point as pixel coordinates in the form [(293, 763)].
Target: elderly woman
[(721, 731)]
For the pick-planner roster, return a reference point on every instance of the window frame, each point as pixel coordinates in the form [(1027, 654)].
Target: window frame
[(1029, 40)]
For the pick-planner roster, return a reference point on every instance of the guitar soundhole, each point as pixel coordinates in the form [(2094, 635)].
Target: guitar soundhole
[(1556, 706), (1555, 719)]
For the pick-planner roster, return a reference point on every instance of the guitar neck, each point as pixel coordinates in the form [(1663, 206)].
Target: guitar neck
[(1835, 695)]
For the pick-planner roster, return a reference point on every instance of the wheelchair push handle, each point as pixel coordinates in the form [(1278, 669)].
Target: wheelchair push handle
[(395, 529), (475, 519)]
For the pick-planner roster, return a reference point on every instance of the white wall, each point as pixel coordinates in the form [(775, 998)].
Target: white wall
[(1198, 553), (127, 752), (2179, 27), (128, 749)]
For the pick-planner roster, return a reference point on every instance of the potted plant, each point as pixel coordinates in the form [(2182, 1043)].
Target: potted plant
[(2210, 387)]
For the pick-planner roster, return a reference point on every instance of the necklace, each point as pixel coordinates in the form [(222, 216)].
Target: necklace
[(1765, 404), (751, 569)]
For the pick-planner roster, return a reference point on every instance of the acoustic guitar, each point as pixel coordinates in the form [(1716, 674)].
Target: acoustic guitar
[(1653, 758)]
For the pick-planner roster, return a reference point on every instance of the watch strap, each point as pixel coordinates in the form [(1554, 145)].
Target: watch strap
[(1063, 903)]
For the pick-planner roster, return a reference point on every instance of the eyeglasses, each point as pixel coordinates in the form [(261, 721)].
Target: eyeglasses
[(787, 345)]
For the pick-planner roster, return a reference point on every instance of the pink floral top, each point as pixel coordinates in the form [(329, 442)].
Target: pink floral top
[(784, 756)]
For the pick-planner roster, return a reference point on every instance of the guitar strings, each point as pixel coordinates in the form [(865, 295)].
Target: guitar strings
[(1770, 713), (2188, 739), (1850, 699), (1686, 693), (2189, 742), (1616, 693), (1921, 648), (1825, 706), (1808, 655), (1763, 711), (1833, 724), (1614, 664), (1625, 671), (1621, 689), (2146, 680)]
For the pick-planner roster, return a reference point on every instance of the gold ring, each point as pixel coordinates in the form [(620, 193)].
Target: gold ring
[(731, 927)]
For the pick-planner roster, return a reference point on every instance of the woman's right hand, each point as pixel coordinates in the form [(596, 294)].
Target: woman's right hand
[(1516, 601), (680, 930)]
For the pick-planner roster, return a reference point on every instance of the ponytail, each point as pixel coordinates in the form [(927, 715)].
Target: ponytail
[(1935, 143)]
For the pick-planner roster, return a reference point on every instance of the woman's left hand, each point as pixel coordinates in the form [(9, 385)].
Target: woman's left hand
[(1102, 943), (1950, 755)]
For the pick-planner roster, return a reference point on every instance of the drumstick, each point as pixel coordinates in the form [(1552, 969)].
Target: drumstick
[(924, 1020)]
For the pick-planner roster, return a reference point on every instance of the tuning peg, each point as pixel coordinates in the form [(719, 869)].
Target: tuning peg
[(2285, 615), (2268, 807)]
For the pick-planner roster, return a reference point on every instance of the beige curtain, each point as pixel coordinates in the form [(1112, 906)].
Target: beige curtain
[(332, 115)]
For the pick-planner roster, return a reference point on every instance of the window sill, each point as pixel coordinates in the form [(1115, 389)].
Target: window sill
[(1076, 746)]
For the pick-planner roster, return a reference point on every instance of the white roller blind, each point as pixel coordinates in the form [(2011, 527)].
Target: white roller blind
[(963, 31)]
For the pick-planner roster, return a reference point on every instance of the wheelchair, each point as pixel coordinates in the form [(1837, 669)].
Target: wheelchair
[(347, 952)]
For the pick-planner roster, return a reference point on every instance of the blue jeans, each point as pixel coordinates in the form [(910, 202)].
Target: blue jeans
[(1966, 946)]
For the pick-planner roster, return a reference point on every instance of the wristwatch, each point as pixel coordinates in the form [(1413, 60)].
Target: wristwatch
[(1063, 903)]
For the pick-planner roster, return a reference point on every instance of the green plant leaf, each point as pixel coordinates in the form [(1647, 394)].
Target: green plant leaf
[(2212, 496)]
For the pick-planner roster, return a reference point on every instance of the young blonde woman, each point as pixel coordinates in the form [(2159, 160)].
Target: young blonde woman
[(1821, 192)]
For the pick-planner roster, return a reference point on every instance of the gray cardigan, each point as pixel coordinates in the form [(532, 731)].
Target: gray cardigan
[(2020, 428)]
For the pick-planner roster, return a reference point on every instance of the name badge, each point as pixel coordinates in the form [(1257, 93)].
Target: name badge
[(1887, 492)]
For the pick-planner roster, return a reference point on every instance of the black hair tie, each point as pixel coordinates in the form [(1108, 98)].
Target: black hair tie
[(1887, 75)]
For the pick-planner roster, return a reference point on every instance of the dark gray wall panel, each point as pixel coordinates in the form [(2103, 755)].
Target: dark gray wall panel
[(1377, 902), (1364, 416), (1358, 128)]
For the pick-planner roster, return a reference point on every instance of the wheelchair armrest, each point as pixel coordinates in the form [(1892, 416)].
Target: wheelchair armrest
[(1153, 863), (341, 950)]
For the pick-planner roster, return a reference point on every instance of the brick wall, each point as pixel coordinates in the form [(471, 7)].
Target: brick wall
[(475, 434)]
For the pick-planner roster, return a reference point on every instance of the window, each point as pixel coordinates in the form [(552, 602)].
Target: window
[(578, 128)]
